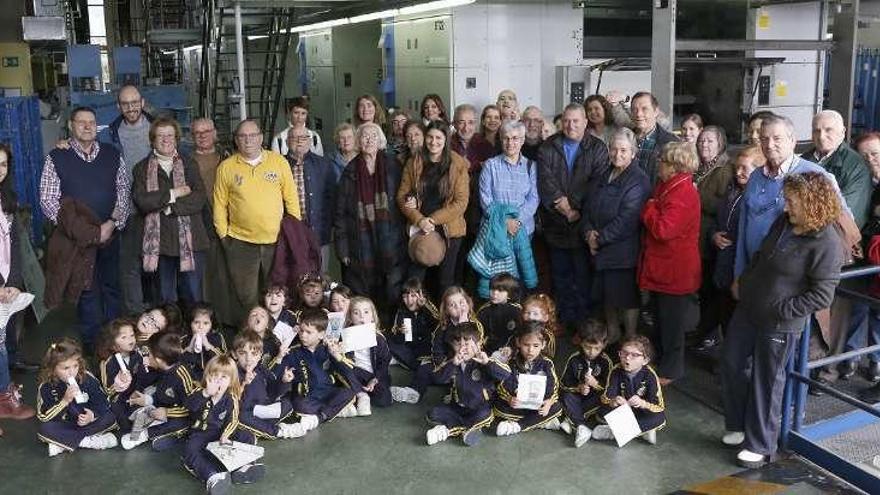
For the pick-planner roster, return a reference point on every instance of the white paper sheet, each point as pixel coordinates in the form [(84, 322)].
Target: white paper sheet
[(335, 324), (234, 455), (23, 300), (284, 332), (623, 424), (407, 330), (121, 362), (81, 397), (358, 337), (530, 391)]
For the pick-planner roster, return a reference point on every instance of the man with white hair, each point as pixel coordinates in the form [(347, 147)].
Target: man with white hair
[(843, 162), (533, 119)]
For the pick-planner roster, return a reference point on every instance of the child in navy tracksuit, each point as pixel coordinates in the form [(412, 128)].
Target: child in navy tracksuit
[(340, 299), (473, 377), (635, 383), (265, 400), (500, 316), (413, 349), (583, 381), (174, 385), (71, 405), (204, 342), (259, 321), (322, 375), (372, 380), (531, 340), (213, 414), (276, 301), (117, 343)]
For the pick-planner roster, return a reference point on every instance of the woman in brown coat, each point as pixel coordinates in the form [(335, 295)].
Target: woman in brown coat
[(433, 195)]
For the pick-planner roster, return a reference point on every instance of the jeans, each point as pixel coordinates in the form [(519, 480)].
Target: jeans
[(864, 329), (571, 283), (174, 283), (4, 367)]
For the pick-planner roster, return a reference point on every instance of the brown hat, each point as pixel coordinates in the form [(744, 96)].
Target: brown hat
[(427, 249)]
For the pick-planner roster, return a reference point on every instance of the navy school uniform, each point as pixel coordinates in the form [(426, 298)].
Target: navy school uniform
[(58, 420), (266, 388), (321, 385), (196, 361), (500, 322), (643, 383), (380, 359), (174, 386), (208, 422), (579, 408), (150, 375), (473, 387), (424, 374), (424, 322), (271, 348), (109, 369), (527, 418), (286, 316)]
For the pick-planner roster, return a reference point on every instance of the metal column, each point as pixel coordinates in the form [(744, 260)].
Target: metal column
[(663, 53), (239, 56), (840, 90)]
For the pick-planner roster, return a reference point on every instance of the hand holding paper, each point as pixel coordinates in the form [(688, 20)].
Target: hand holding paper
[(358, 337), (623, 424), (530, 391)]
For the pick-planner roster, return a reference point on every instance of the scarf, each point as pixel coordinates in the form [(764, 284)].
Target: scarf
[(375, 227), (704, 169), (152, 220)]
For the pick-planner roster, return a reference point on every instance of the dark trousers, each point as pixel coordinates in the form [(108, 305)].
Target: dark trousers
[(459, 419), (10, 345), (100, 304), (68, 434), (439, 278), (527, 418), (673, 316), (249, 266), (736, 358), (646, 419), (177, 285), (381, 394), (404, 354), (198, 460), (571, 283), (764, 410), (864, 330), (326, 407), (130, 266), (579, 408), (173, 427), (423, 377), (260, 427)]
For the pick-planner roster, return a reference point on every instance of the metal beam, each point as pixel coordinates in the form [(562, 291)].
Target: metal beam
[(663, 53), (239, 56), (743, 45), (840, 88)]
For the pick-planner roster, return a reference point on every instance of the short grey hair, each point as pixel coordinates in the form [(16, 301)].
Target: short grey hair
[(345, 126), (202, 120), (624, 134), (533, 108), (575, 107), (831, 114), (512, 126), (464, 107), (720, 136), (778, 120), (383, 141)]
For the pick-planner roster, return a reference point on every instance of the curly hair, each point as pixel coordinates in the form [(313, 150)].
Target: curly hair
[(816, 196), (606, 108), (682, 156)]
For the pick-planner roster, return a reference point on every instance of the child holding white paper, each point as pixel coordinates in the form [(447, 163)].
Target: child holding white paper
[(71, 405), (213, 412), (414, 323), (204, 342), (277, 302), (340, 299), (121, 368), (528, 359), (583, 381), (258, 320), (635, 383), (372, 380)]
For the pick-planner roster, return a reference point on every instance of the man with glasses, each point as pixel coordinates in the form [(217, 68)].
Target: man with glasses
[(94, 176), (253, 189), (533, 119)]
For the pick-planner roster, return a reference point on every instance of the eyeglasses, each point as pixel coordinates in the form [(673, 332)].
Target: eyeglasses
[(203, 133), (250, 137), (627, 354), (130, 104), (512, 138)]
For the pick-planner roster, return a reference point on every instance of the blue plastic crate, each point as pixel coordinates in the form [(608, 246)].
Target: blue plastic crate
[(20, 127)]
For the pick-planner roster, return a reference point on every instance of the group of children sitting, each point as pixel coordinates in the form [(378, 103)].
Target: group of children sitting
[(159, 384)]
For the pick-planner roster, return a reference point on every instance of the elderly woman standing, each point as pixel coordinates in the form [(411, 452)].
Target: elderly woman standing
[(414, 134), (345, 151), (793, 274), (611, 227), (670, 262), (433, 194), (368, 228), (511, 178), (169, 195), (508, 104)]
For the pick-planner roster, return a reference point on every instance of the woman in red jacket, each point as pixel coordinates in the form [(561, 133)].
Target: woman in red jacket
[(670, 263)]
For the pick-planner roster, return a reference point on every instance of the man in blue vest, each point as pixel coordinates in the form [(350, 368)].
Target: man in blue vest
[(96, 176)]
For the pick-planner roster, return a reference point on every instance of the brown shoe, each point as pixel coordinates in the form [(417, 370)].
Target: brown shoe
[(11, 406)]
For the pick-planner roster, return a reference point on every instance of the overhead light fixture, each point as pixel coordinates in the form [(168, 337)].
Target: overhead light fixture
[(429, 6), (320, 25), (373, 16), (413, 9)]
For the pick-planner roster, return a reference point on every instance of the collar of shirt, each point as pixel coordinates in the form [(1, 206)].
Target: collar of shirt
[(521, 161), (649, 139), (783, 169), (822, 159), (256, 161), (74, 145)]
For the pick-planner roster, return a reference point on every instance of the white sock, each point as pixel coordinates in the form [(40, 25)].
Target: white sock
[(272, 411)]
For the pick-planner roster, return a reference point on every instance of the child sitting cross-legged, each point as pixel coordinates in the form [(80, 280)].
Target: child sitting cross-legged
[(583, 381)]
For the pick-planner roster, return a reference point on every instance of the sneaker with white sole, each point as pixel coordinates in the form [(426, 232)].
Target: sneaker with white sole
[(507, 428), (405, 394), (733, 438), (100, 441), (650, 436), (250, 473), (582, 436), (567, 426), (309, 421), (55, 449), (552, 425), (132, 440), (603, 432), (437, 434), (218, 484), (363, 405), (350, 411), (295, 430), (749, 459)]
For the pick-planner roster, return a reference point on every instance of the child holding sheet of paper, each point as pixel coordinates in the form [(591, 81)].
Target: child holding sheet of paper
[(583, 381), (473, 376), (276, 302), (521, 405), (635, 383), (372, 380), (121, 367), (213, 413), (204, 341)]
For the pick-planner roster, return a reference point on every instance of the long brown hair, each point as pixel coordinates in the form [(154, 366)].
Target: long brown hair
[(8, 198), (107, 341), (445, 160), (57, 352)]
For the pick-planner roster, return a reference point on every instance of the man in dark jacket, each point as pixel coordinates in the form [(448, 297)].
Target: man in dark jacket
[(316, 187), (567, 163), (644, 109)]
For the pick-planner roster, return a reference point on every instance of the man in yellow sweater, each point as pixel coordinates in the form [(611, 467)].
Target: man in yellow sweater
[(253, 190)]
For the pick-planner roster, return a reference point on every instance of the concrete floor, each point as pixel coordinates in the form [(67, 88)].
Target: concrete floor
[(386, 453)]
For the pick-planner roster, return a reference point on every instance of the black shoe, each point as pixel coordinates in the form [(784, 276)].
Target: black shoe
[(872, 373), (249, 474), (848, 369), (708, 344), (870, 395), (816, 392)]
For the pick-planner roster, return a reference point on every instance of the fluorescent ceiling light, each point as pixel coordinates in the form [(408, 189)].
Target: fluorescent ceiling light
[(320, 25), (373, 16), (413, 9), (429, 6)]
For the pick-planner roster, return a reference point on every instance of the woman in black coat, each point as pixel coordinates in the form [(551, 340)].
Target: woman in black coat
[(611, 225)]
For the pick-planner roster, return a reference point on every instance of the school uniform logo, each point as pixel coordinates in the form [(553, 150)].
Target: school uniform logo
[(643, 389), (238, 180), (511, 325), (476, 375), (169, 392), (326, 365), (271, 177), (222, 416)]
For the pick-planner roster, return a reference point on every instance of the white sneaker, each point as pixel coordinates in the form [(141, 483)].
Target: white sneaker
[(309, 421), (567, 426), (350, 411), (603, 432), (507, 428), (437, 434), (553, 425), (132, 440), (732, 438), (405, 394), (582, 436), (363, 405), (394, 362), (750, 459), (447, 399), (218, 484), (650, 436), (295, 430), (99, 442), (55, 449)]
